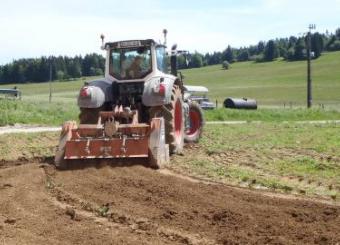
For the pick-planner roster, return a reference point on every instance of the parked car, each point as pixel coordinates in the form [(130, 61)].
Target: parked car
[(200, 95), (8, 93)]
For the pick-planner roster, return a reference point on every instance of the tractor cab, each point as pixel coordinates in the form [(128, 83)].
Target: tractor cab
[(135, 60)]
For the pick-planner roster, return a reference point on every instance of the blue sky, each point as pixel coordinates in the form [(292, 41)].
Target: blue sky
[(70, 27)]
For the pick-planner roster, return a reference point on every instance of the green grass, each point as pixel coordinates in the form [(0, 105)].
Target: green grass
[(271, 115), (23, 112), (287, 157), (34, 107), (272, 84)]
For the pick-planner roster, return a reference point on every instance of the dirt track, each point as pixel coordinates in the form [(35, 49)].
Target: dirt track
[(137, 205)]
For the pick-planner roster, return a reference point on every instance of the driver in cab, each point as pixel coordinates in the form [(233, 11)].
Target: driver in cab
[(135, 69)]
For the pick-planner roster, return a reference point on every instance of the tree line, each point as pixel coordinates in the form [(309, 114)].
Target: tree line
[(290, 49), (63, 67), (59, 68)]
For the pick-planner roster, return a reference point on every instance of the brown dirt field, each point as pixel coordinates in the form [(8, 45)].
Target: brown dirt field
[(136, 205)]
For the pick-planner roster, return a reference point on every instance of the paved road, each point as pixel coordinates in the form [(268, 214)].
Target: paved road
[(27, 129)]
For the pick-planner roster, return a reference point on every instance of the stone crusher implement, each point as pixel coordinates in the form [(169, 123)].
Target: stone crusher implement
[(138, 110)]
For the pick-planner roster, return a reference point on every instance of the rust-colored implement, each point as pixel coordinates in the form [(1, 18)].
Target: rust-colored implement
[(111, 139)]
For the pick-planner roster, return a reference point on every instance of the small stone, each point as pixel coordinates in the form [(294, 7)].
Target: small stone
[(10, 221), (141, 221), (329, 211), (70, 212), (77, 218), (302, 191), (134, 226), (122, 219)]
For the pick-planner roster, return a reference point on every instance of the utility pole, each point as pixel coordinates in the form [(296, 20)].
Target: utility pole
[(309, 68), (50, 80)]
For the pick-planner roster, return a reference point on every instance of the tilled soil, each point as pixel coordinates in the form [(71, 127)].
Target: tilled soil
[(137, 205)]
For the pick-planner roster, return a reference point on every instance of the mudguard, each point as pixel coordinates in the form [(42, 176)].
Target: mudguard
[(99, 91), (151, 96)]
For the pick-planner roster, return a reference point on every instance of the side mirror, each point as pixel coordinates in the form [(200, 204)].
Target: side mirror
[(174, 47)]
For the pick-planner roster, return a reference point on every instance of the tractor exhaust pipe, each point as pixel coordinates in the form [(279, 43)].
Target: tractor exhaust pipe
[(102, 47), (173, 60), (165, 32)]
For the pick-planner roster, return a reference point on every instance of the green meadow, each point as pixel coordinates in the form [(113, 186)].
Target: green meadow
[(275, 85)]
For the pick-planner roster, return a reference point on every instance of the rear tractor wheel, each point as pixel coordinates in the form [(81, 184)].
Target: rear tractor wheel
[(173, 115), (196, 122)]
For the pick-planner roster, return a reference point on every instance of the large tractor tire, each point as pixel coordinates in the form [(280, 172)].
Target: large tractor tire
[(193, 134), (89, 115), (173, 115)]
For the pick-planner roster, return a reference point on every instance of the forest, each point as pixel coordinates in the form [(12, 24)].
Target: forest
[(66, 68)]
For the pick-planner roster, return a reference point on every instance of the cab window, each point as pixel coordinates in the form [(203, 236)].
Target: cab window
[(130, 63), (162, 61)]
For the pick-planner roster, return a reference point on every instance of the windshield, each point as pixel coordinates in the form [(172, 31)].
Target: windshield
[(130, 63)]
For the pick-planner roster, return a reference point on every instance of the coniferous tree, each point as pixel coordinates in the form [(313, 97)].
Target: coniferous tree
[(260, 47), (317, 44), (228, 55), (300, 50), (243, 55), (271, 51), (337, 33), (196, 60)]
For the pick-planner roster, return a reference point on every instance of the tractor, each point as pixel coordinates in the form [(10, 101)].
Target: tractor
[(138, 110)]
